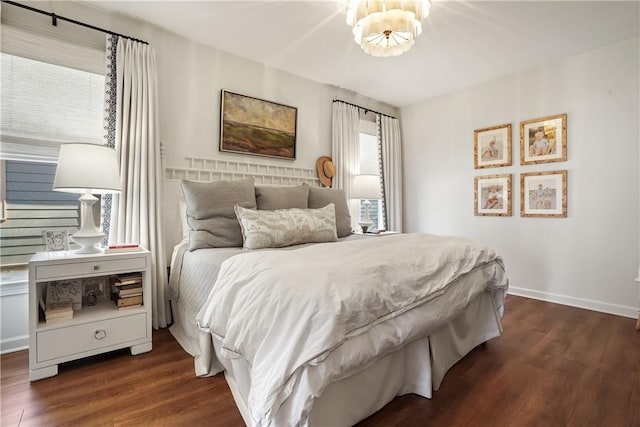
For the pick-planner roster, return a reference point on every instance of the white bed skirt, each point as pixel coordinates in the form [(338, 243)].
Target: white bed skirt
[(477, 324), (417, 368), (195, 342)]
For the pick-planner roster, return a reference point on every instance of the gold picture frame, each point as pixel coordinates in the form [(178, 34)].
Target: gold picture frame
[(492, 195), (254, 126), (543, 194), (543, 140), (492, 147)]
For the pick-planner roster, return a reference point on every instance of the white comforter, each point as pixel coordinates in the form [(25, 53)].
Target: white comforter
[(302, 319)]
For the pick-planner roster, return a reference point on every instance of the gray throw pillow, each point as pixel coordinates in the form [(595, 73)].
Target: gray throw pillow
[(210, 215), (320, 197), (271, 198)]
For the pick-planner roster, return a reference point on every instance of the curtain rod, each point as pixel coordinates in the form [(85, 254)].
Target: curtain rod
[(366, 110), (54, 20)]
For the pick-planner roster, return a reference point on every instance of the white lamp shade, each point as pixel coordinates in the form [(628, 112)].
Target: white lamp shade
[(83, 166), (366, 187)]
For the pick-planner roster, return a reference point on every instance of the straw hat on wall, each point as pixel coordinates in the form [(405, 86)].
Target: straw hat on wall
[(326, 170)]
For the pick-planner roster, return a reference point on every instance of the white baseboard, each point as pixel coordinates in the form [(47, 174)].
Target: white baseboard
[(14, 344), (603, 307)]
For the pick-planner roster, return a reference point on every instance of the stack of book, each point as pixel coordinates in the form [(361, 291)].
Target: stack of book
[(58, 311), (127, 290)]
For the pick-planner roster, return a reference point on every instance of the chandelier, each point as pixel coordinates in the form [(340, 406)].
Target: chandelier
[(386, 27)]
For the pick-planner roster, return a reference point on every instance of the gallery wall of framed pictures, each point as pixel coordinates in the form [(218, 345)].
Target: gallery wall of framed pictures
[(542, 193)]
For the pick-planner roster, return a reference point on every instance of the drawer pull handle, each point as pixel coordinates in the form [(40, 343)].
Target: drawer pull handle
[(96, 267), (100, 334)]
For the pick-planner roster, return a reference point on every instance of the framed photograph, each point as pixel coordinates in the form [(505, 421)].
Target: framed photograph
[(65, 291), (492, 195), (492, 147), (56, 241), (543, 140), (94, 290), (543, 194), (254, 126)]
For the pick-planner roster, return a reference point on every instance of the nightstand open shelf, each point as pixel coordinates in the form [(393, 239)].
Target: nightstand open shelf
[(102, 311), (93, 329)]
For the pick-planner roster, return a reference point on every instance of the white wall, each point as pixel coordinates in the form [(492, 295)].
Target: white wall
[(588, 259)]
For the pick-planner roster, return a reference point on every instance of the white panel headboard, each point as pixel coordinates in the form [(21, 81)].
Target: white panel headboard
[(201, 169)]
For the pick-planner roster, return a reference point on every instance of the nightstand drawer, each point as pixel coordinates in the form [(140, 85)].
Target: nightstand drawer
[(76, 339), (83, 268)]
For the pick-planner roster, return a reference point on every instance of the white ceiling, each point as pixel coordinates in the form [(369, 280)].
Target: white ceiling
[(463, 43)]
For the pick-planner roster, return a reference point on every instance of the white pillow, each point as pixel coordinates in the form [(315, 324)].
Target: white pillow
[(286, 227)]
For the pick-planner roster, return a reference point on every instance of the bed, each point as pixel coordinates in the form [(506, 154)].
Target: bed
[(299, 330)]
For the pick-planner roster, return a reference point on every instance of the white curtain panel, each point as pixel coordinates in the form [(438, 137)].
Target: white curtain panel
[(136, 212), (345, 151), (391, 157)]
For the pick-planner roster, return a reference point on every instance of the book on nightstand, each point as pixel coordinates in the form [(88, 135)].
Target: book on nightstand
[(130, 293), (126, 307), (127, 247), (127, 279), (58, 311), (127, 301), (128, 290)]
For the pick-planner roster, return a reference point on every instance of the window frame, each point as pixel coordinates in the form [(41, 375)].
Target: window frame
[(368, 127)]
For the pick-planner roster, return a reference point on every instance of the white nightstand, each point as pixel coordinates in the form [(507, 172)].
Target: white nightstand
[(93, 329)]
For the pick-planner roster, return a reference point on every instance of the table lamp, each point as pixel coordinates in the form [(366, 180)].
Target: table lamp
[(366, 187), (87, 169)]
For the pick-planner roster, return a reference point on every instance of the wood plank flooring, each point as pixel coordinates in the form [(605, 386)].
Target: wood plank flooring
[(553, 366)]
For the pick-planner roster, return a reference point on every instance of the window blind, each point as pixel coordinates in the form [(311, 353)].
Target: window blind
[(30, 208), (45, 47), (52, 92)]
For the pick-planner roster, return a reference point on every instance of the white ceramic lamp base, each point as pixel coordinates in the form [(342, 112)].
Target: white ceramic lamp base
[(88, 243), (366, 222), (88, 236)]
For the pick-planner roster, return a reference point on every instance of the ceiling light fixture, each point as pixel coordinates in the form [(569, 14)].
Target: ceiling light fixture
[(386, 27)]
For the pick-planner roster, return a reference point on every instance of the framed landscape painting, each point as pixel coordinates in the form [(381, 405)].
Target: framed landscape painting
[(254, 126), (492, 195), (492, 147), (543, 194), (543, 140)]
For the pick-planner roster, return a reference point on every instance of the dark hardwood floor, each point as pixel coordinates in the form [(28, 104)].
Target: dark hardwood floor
[(553, 366)]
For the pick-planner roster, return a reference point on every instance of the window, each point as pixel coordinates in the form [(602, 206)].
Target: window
[(369, 162), (52, 92)]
